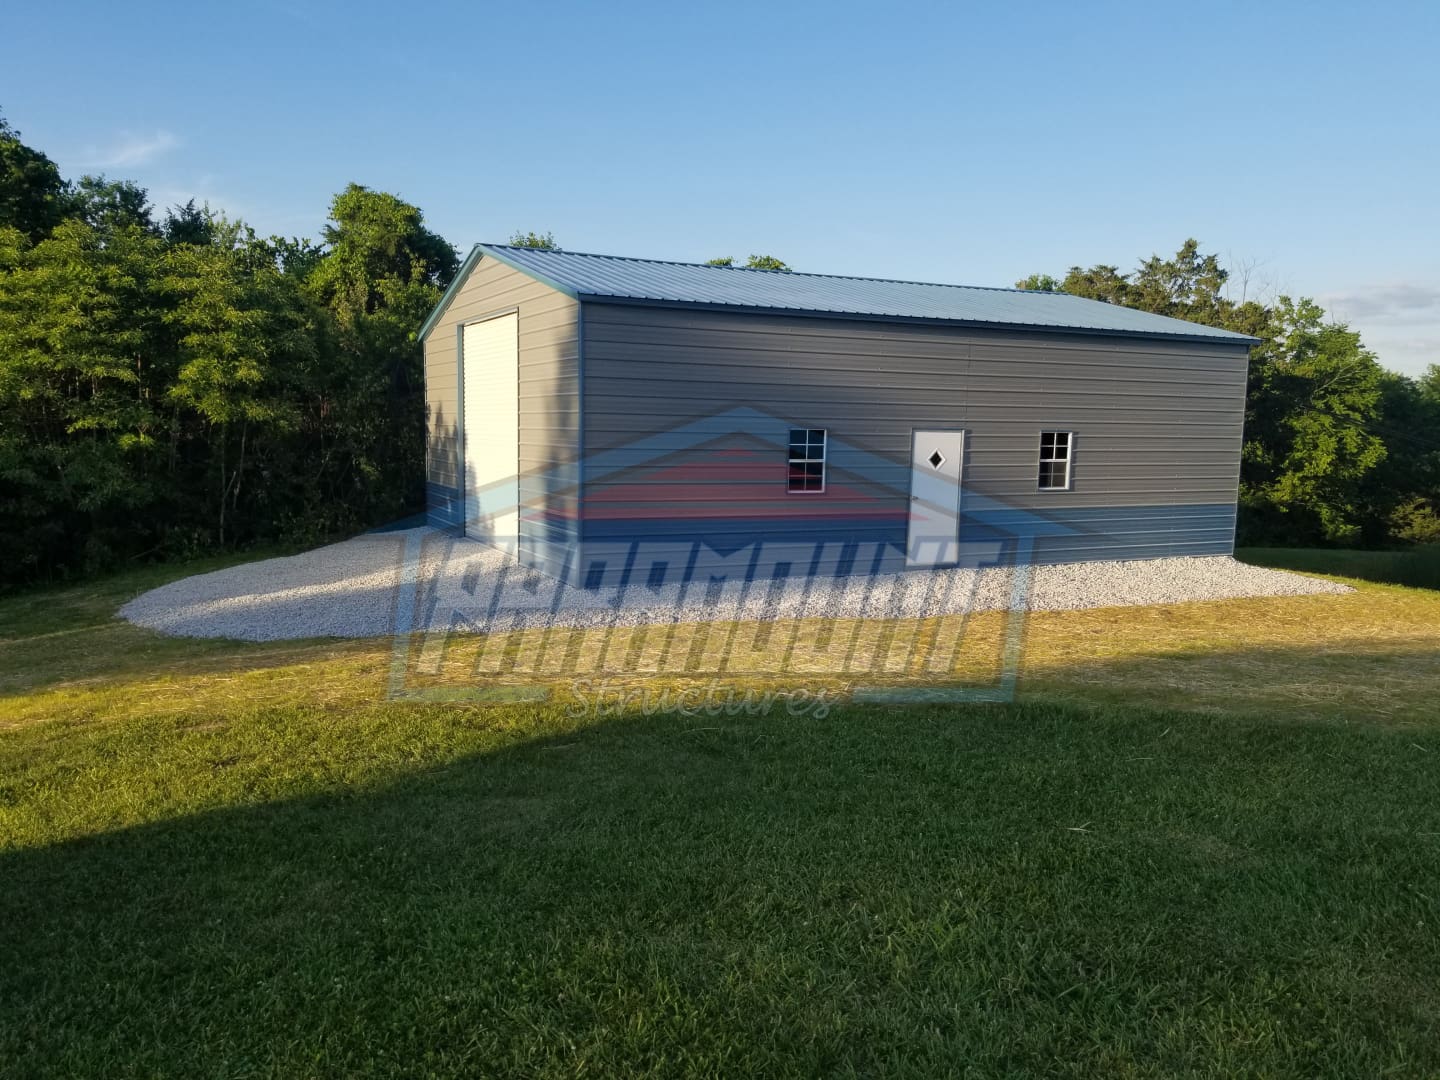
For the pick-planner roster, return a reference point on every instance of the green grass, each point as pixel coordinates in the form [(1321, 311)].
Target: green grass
[(223, 860), (1418, 567)]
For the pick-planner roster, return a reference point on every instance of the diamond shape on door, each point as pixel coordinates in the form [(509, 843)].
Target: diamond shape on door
[(936, 459)]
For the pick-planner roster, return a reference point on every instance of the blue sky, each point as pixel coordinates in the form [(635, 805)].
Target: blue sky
[(947, 142)]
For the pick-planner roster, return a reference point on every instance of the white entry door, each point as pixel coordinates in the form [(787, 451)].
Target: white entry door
[(935, 468), (491, 416)]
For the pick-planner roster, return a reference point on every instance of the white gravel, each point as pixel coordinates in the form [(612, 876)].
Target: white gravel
[(350, 590)]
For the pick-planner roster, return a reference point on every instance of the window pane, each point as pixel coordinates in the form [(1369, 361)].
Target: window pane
[(1045, 473), (806, 460), (1062, 442), (1062, 475), (1047, 440)]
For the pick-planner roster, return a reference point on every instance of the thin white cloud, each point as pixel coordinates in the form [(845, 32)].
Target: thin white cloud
[(130, 150), (1407, 355), (1399, 321), (1389, 304)]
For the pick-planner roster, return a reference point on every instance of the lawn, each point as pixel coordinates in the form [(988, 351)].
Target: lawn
[(1205, 842), (1419, 567)]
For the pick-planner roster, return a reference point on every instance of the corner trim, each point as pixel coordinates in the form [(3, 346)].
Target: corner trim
[(579, 434)]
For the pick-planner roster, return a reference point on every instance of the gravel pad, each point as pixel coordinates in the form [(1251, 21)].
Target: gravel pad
[(350, 590)]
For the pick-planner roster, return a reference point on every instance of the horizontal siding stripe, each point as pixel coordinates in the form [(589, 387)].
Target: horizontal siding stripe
[(1079, 394), (707, 353), (1085, 526)]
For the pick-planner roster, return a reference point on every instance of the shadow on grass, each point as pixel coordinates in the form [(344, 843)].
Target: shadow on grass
[(1417, 568), (1031, 889)]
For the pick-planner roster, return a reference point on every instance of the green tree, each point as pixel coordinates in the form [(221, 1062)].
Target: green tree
[(1039, 283), (1314, 399), (32, 194), (1190, 285), (1100, 282), (1403, 494), (109, 205), (380, 274), (545, 241), (173, 388), (378, 249), (764, 262), (188, 224), (752, 262), (78, 423), (241, 326), (1313, 403)]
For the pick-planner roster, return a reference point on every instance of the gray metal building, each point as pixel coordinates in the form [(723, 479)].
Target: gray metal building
[(614, 420)]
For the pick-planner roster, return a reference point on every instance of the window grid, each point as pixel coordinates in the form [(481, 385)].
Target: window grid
[(806, 474), (1054, 461)]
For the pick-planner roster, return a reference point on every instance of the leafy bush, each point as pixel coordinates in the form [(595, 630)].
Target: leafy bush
[(1416, 522)]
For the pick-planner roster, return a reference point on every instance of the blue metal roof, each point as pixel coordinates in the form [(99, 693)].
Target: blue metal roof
[(609, 277)]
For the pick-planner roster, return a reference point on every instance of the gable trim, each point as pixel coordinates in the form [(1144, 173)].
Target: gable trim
[(478, 252)]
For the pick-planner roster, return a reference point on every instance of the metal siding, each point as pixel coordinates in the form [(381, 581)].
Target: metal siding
[(549, 408), (1158, 424)]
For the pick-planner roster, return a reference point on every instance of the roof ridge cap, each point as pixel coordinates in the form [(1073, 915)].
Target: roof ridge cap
[(764, 270)]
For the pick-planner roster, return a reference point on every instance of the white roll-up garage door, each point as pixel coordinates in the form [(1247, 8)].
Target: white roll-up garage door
[(491, 418)]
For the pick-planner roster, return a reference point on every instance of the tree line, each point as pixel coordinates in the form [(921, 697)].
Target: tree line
[(176, 384), (1338, 450)]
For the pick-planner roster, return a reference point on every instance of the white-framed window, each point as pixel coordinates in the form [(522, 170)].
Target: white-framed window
[(1055, 460), (807, 461)]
